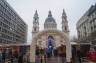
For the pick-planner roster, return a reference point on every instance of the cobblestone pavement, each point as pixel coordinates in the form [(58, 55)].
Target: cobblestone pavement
[(53, 60), (58, 60)]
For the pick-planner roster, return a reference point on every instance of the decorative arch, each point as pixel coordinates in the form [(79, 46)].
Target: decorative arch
[(44, 32)]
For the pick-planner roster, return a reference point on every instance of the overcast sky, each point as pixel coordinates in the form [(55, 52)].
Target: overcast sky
[(73, 8)]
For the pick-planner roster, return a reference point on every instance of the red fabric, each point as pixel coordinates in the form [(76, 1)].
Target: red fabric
[(91, 55)]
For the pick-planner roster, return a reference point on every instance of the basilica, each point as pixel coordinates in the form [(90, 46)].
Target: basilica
[(50, 37), (49, 25)]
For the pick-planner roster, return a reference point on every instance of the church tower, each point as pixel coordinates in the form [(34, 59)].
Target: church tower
[(64, 22), (35, 24)]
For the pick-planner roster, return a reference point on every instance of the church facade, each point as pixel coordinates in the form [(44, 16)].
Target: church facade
[(50, 36), (50, 24)]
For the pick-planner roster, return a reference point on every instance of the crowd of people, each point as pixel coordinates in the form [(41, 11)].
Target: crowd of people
[(10, 56), (47, 53), (77, 54)]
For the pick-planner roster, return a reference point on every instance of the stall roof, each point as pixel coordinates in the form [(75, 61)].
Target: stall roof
[(84, 43), (80, 43), (24, 44), (73, 43)]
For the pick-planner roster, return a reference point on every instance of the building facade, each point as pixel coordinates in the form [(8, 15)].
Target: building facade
[(86, 26), (49, 24), (13, 30), (50, 36)]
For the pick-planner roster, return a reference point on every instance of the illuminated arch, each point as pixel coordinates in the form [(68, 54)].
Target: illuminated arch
[(44, 32)]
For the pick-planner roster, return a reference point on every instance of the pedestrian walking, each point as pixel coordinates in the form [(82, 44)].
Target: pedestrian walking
[(20, 58)]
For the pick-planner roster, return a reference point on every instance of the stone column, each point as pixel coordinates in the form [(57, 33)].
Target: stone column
[(32, 52), (68, 52)]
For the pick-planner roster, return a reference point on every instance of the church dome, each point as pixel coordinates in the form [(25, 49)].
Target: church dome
[(50, 22)]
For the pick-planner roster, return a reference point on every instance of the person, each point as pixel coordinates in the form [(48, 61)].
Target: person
[(28, 55), (20, 58), (79, 55), (12, 57), (16, 54), (24, 58), (3, 55), (73, 54), (0, 56), (62, 53), (42, 55), (55, 52), (49, 52), (37, 52)]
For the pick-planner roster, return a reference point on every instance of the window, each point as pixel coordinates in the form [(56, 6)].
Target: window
[(0, 40), (0, 29), (91, 29)]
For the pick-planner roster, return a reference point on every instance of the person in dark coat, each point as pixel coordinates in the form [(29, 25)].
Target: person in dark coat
[(12, 58), (55, 52), (20, 58), (73, 54), (37, 52), (3, 56), (79, 54)]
